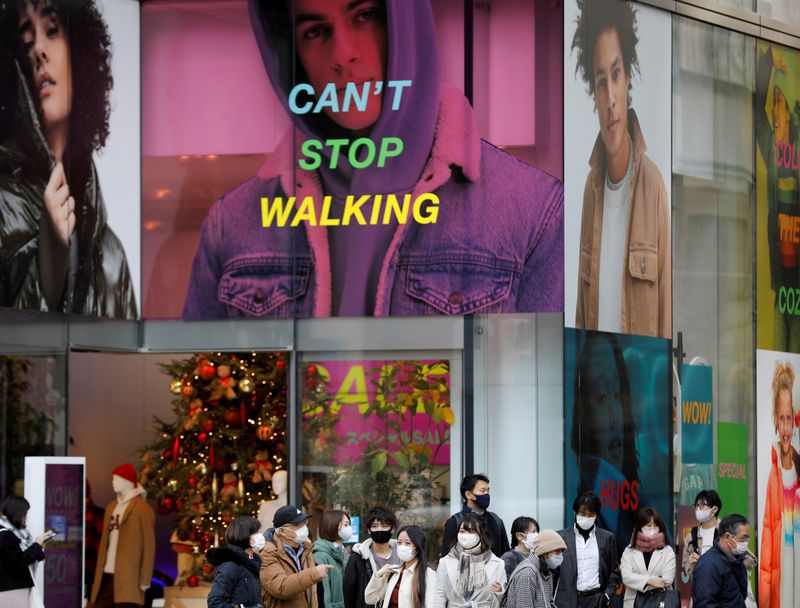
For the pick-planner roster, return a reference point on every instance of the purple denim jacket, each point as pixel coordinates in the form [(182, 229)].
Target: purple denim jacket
[(497, 246)]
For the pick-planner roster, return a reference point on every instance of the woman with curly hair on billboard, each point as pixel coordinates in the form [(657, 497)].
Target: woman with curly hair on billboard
[(57, 251)]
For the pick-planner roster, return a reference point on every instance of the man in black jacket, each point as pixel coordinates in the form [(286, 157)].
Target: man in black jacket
[(589, 575), (370, 556), (720, 578), (475, 494)]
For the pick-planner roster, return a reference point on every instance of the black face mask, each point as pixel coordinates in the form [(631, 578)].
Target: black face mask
[(381, 536)]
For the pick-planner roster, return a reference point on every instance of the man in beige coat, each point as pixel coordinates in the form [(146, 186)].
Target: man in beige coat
[(289, 574), (625, 285), (127, 547)]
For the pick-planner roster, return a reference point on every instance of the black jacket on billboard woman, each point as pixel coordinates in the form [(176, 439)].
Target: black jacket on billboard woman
[(99, 281)]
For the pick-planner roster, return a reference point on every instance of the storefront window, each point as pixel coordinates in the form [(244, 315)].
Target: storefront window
[(787, 11)]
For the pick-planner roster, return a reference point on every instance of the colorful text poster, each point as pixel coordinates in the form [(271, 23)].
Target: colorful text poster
[(697, 414), (778, 468), (777, 123), (617, 396), (733, 446), (64, 514), (69, 157), (618, 146), (377, 189)]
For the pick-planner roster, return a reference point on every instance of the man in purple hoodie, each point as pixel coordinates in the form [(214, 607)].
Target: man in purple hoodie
[(487, 238)]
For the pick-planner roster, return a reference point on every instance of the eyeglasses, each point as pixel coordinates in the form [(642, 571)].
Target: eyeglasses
[(700, 505)]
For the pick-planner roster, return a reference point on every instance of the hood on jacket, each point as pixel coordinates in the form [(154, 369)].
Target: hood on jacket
[(412, 55), (217, 556), (334, 550)]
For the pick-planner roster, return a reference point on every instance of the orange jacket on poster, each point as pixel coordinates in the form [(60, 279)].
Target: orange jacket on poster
[(769, 571)]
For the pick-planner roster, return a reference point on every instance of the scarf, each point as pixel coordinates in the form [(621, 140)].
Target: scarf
[(645, 545), (471, 568), (24, 535)]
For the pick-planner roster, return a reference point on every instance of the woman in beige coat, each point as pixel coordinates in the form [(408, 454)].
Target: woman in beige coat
[(648, 563)]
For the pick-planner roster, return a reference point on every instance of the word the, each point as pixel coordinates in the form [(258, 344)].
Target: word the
[(329, 98), (424, 209), (789, 228), (389, 148), (620, 495), (696, 413), (787, 156), (732, 470), (789, 300)]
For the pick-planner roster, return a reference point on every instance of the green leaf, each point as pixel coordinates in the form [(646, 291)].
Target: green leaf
[(379, 463), (401, 459)]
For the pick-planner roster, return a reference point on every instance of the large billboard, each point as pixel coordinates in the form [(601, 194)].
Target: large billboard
[(361, 182), (618, 426), (69, 156), (617, 133)]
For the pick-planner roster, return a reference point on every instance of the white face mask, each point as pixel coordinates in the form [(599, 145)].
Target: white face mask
[(702, 515), (301, 534), (554, 561), (405, 553), (585, 523), (649, 532), (346, 533), (740, 548), (468, 540), (530, 538), (257, 541)]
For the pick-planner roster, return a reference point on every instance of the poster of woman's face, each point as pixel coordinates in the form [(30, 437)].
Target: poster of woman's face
[(69, 156), (617, 133), (778, 462), (618, 421)]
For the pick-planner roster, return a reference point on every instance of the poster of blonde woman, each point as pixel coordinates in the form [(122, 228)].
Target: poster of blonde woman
[(779, 479)]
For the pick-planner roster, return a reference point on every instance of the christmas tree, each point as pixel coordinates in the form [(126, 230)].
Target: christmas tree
[(214, 460)]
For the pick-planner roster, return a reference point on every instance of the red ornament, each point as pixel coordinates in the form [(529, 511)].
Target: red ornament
[(208, 425), (193, 581), (207, 370), (312, 369), (179, 504), (242, 415), (202, 437), (232, 418), (164, 505), (280, 363), (192, 481), (264, 432), (166, 454), (176, 449), (254, 405), (208, 568)]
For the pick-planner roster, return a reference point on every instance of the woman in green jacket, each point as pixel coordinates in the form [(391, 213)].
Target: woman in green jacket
[(334, 530)]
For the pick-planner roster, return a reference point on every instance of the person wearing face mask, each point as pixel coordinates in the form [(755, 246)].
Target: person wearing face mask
[(531, 584), (334, 530), (720, 578), (470, 575), (370, 556), (476, 498), (411, 585), (524, 531), (288, 570), (648, 563), (707, 506), (237, 566), (589, 575)]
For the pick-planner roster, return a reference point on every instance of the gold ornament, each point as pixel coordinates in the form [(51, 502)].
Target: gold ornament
[(175, 386), (246, 385)]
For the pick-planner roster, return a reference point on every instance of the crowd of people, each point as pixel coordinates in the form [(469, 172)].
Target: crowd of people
[(577, 567)]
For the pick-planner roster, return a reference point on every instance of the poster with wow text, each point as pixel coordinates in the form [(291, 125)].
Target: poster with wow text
[(778, 468), (618, 417), (617, 180), (777, 126), (69, 157), (349, 175)]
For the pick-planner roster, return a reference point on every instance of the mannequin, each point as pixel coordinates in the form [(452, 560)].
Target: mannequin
[(127, 547), (266, 513)]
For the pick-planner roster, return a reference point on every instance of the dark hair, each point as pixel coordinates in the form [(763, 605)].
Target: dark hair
[(643, 517), (90, 63), (587, 499), (583, 437), (420, 542), (469, 482), (240, 530), (595, 17), (329, 525), (521, 525), (473, 523), (15, 508), (731, 524), (381, 515), (711, 498)]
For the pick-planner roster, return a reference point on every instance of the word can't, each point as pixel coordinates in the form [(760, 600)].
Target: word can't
[(329, 98)]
